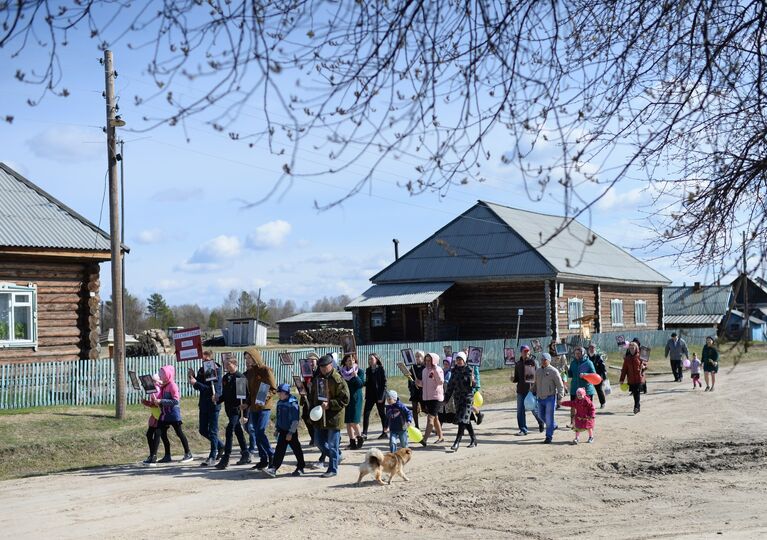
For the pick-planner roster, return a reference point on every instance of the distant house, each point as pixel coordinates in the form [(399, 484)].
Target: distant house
[(469, 279), (49, 275), (311, 321), (757, 293), (699, 306), (736, 325), (107, 342), (245, 331)]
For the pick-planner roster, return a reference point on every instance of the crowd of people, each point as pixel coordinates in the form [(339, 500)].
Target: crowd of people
[(342, 393)]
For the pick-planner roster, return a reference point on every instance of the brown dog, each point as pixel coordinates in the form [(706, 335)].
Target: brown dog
[(376, 463)]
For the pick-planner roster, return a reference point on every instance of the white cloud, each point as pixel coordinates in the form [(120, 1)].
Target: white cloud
[(220, 247), (198, 268), (68, 144), (613, 198), (150, 236), (269, 235)]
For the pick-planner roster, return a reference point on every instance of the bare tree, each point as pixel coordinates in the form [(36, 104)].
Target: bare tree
[(669, 92)]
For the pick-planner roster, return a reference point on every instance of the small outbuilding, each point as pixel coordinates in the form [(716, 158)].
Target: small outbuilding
[(245, 331), (312, 321), (699, 306)]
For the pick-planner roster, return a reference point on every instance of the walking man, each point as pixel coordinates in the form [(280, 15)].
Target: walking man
[(548, 387), (524, 376), (329, 390), (676, 350)]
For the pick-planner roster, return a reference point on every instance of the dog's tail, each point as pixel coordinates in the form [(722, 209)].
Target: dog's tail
[(375, 457)]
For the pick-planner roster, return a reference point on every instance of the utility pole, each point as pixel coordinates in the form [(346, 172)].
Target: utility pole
[(745, 297), (122, 218), (116, 238)]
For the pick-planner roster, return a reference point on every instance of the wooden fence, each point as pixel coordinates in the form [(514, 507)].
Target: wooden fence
[(91, 382)]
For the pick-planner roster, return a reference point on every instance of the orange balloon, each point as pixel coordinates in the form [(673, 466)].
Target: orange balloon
[(593, 378)]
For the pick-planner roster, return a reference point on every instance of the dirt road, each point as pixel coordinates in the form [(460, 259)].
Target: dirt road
[(691, 465)]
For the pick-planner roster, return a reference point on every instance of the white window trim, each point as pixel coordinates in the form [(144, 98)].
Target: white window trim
[(571, 325), (636, 319), (14, 290), (614, 302)]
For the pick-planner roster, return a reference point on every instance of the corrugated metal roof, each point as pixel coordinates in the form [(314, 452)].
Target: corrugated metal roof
[(399, 294), (319, 316), (751, 318), (692, 319), (491, 241), (708, 300), (32, 218)]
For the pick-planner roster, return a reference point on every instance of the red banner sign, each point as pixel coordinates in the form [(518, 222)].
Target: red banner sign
[(188, 343)]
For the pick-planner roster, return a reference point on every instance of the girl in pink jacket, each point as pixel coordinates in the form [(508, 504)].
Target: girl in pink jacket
[(585, 414), (432, 387), (154, 424)]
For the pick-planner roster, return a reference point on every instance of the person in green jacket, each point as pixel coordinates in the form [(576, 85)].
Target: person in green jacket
[(580, 365), (355, 380), (329, 390), (710, 359)]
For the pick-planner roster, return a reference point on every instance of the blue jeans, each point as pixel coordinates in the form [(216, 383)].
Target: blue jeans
[(209, 429), (546, 408), (251, 429), (398, 436), (329, 442), (521, 413), (260, 421)]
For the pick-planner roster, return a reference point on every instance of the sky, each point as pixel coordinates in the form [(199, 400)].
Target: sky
[(191, 235)]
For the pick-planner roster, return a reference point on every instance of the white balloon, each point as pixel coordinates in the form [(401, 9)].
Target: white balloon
[(316, 413)]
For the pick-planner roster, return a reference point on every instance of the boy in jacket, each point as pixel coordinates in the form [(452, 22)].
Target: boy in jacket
[(233, 406), (287, 432), (399, 417), (209, 408), (335, 398), (259, 413)]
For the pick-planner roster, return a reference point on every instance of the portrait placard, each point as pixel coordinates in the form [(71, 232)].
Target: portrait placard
[(241, 388), (134, 380), (537, 347), (306, 368), (322, 389), (447, 350), (475, 356), (408, 356), (148, 383), (299, 384), (509, 358), (262, 394), (561, 349), (210, 369), (286, 359), (644, 353), (620, 340)]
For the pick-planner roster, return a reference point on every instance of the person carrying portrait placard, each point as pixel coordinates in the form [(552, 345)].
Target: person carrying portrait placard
[(416, 396), (208, 405), (524, 377), (329, 391), (233, 407), (260, 404)]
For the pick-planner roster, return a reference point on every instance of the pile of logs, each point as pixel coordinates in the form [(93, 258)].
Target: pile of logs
[(325, 336), (150, 343)]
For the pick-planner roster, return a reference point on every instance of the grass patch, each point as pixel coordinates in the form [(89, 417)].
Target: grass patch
[(53, 439)]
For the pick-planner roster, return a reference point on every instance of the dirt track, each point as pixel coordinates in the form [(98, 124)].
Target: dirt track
[(691, 465)]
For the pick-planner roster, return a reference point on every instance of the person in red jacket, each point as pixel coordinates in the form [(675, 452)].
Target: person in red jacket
[(633, 373), (585, 413)]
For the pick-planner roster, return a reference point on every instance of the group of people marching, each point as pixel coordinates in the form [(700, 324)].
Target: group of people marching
[(342, 393)]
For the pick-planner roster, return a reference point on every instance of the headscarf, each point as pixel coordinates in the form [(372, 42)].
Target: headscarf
[(349, 373)]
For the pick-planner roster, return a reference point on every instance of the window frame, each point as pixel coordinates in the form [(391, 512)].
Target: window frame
[(575, 301), (614, 302), (14, 290), (642, 303)]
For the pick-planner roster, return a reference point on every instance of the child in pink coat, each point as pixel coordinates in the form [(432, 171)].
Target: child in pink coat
[(154, 424), (585, 414)]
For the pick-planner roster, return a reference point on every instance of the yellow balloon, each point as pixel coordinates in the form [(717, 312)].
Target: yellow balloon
[(414, 434), (624, 387), (478, 400)]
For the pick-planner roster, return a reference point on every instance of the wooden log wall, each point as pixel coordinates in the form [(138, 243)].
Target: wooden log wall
[(629, 295), (581, 291), (67, 314), (489, 310)]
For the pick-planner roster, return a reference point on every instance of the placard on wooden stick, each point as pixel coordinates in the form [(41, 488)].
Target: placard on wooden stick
[(474, 356), (405, 371), (408, 357), (299, 384), (286, 359)]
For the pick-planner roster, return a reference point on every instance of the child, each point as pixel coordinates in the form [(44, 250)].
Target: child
[(399, 417), (168, 401), (234, 408), (695, 364), (585, 414), (154, 427), (287, 428)]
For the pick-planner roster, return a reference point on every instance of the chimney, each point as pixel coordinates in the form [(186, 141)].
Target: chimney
[(696, 286), (396, 249)]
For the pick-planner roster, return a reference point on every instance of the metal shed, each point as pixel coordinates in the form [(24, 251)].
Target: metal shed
[(245, 331)]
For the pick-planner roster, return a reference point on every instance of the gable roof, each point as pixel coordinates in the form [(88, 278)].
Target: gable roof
[(491, 242), (318, 316), (32, 218), (707, 300)]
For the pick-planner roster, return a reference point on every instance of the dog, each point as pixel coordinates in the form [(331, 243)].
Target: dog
[(393, 463)]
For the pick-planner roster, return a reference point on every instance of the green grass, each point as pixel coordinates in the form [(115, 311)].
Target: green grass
[(45, 440)]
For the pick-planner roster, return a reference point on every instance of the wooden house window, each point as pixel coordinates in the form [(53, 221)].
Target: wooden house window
[(616, 312), (18, 316), (640, 313), (574, 312), (377, 318)]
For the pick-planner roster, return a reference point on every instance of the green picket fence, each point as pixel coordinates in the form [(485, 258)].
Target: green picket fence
[(92, 382)]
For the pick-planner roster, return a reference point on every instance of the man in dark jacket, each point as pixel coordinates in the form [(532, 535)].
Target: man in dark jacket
[(329, 390), (233, 407), (598, 360), (209, 408), (524, 377), (676, 351)]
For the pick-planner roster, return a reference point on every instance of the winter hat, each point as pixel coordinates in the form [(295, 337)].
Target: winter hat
[(284, 387), (546, 356), (325, 360), (461, 355), (524, 348), (580, 393), (312, 355), (391, 394)]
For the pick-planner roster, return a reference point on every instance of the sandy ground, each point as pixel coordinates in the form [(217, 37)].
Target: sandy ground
[(691, 465)]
